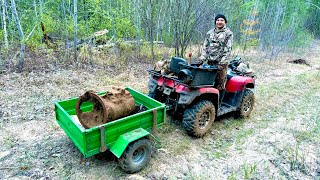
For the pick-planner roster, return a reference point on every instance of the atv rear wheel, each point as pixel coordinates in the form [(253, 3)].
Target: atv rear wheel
[(246, 105), (198, 119), (136, 156)]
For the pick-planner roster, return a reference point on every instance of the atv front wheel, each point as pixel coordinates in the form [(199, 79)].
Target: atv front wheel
[(136, 156), (246, 105), (198, 119)]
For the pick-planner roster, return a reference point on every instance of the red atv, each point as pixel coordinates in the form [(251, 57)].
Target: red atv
[(189, 90)]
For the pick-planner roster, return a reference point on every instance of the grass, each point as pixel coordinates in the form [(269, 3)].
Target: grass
[(289, 100), (245, 171), (9, 141), (249, 170), (293, 99), (122, 54), (304, 106), (296, 158), (243, 135)]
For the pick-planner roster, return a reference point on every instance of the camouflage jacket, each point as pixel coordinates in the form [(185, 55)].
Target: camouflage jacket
[(217, 46)]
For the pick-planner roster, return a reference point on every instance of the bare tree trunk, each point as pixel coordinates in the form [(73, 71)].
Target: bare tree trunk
[(22, 48), (75, 29), (4, 24), (158, 25), (137, 25), (66, 29), (150, 28), (86, 16), (111, 4)]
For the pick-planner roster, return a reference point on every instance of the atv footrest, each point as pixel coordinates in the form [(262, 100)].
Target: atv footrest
[(226, 108)]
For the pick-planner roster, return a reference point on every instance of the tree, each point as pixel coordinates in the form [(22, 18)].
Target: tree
[(75, 29), (248, 28), (4, 24), (184, 23), (20, 64), (313, 19)]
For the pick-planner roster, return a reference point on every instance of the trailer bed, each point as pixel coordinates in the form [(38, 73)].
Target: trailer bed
[(100, 138)]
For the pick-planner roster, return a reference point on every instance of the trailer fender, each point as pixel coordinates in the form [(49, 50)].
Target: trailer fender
[(125, 139)]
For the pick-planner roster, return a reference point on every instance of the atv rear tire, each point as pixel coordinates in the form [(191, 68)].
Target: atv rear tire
[(136, 156), (198, 119), (246, 105)]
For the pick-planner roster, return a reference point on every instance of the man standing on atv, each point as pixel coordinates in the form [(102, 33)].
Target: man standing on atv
[(217, 50)]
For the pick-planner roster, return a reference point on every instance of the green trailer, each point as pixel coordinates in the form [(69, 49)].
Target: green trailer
[(127, 138)]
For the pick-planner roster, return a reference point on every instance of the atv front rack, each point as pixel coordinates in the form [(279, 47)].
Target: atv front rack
[(174, 78)]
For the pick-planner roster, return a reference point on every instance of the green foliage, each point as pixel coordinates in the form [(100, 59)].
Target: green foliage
[(249, 170), (124, 27), (264, 23), (1, 34), (296, 158), (249, 27), (302, 39)]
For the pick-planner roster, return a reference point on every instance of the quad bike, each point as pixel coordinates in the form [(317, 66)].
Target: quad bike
[(190, 91)]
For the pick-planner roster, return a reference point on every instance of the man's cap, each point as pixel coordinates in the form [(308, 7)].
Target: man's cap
[(220, 16)]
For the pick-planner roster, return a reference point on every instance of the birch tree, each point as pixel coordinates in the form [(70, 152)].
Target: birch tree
[(75, 29), (20, 64), (4, 24)]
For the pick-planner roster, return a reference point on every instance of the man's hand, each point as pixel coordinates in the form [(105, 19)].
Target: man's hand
[(220, 67)]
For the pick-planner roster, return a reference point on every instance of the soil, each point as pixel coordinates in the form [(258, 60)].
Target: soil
[(115, 104), (33, 146)]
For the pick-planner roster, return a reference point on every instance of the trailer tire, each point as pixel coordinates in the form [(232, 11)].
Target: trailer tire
[(136, 156), (198, 119), (246, 105)]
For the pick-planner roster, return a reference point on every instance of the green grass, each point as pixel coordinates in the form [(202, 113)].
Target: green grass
[(246, 171), (296, 158), (9, 141), (296, 101), (249, 170), (292, 100)]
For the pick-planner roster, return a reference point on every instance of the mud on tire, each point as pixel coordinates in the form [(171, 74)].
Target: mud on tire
[(246, 105), (198, 119), (136, 156)]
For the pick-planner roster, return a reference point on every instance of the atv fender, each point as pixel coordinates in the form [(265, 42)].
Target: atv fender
[(187, 98), (238, 83)]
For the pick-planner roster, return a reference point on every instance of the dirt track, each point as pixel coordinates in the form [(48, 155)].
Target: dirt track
[(262, 147)]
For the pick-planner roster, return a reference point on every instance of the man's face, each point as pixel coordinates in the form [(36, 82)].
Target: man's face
[(220, 23)]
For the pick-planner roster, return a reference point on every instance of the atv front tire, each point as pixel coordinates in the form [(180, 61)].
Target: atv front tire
[(198, 119), (136, 156), (246, 105)]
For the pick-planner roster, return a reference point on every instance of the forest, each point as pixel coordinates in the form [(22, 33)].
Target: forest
[(63, 25)]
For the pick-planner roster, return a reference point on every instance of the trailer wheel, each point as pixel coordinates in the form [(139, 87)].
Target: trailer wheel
[(246, 105), (136, 156), (198, 119)]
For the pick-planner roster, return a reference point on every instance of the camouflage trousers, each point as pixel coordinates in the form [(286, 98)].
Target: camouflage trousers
[(221, 77)]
